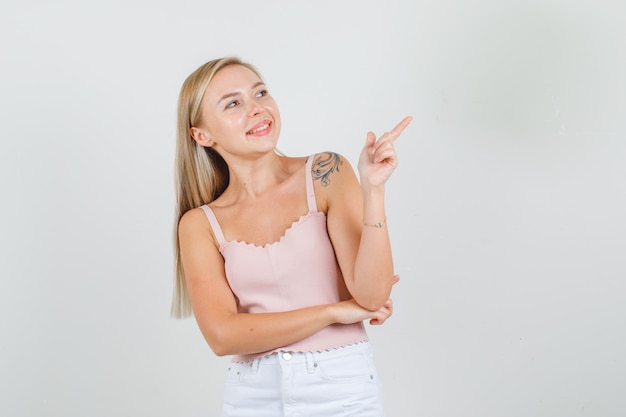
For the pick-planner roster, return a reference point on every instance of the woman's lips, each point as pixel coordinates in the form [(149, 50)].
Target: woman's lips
[(260, 129)]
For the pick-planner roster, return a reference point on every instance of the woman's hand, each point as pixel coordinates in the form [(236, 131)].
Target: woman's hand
[(349, 312), (382, 314), (378, 158)]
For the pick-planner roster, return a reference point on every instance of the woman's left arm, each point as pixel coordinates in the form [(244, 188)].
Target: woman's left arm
[(356, 218)]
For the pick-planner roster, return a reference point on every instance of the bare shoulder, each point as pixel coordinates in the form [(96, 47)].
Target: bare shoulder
[(194, 225), (192, 219), (333, 179), (330, 167)]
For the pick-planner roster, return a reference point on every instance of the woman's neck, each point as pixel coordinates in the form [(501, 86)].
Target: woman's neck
[(251, 178)]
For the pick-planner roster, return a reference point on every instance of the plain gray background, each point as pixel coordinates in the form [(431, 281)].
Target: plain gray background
[(506, 213)]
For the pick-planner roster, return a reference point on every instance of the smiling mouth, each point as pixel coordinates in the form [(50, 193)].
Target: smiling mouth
[(259, 129)]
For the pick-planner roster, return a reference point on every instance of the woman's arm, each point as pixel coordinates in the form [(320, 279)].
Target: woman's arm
[(228, 332), (357, 220)]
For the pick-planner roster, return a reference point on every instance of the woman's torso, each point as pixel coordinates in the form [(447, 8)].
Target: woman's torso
[(273, 268)]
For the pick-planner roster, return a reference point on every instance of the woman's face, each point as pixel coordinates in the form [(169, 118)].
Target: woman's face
[(238, 116)]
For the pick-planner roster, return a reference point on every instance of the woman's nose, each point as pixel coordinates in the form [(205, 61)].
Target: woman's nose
[(254, 107)]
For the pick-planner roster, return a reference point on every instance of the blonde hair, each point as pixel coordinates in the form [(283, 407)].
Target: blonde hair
[(201, 174)]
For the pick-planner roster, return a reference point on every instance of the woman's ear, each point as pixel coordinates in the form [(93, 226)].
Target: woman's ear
[(201, 137)]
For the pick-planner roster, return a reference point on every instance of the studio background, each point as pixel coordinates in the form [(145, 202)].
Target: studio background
[(506, 212)]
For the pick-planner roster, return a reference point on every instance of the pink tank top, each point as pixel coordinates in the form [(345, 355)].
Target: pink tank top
[(300, 270)]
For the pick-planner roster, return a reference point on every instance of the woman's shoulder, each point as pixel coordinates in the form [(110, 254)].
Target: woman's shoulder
[(194, 225), (192, 218), (328, 165), (333, 178)]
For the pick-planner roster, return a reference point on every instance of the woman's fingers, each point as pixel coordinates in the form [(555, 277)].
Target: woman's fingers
[(382, 149), (395, 133), (384, 152), (382, 314), (390, 136)]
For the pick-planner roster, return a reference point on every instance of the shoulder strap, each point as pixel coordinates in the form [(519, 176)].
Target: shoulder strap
[(310, 190), (215, 225)]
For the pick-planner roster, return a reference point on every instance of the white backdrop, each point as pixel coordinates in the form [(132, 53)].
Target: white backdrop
[(506, 214)]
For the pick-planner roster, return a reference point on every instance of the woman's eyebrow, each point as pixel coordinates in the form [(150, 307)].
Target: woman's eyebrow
[(235, 93)]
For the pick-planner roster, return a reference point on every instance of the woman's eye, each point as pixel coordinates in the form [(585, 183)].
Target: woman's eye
[(232, 104), (261, 93)]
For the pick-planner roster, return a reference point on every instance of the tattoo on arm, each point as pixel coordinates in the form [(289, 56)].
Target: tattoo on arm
[(324, 165)]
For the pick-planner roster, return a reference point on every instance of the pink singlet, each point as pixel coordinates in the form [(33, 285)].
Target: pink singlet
[(300, 270)]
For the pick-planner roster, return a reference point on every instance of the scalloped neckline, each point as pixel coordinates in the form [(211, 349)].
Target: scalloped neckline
[(287, 231)]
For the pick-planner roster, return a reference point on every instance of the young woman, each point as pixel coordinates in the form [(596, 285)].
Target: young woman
[(281, 259)]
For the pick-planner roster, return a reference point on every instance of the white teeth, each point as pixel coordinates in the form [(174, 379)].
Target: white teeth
[(258, 129)]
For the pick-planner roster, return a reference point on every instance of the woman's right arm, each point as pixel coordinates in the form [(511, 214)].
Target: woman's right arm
[(228, 332)]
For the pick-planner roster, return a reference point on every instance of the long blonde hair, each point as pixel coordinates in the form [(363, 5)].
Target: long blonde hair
[(201, 174)]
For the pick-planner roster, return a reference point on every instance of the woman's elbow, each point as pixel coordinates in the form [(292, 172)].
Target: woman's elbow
[(219, 350), (222, 349), (372, 303), (218, 343)]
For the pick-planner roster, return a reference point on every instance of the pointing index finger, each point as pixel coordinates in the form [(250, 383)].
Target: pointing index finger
[(396, 131)]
